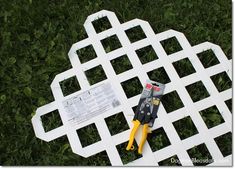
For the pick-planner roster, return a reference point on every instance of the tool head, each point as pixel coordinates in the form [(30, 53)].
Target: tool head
[(146, 111)]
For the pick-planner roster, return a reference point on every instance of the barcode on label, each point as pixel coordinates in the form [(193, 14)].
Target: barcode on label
[(115, 103)]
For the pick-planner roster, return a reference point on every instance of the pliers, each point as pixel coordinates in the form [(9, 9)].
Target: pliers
[(146, 113)]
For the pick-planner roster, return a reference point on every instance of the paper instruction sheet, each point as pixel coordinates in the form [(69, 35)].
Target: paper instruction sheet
[(90, 103)]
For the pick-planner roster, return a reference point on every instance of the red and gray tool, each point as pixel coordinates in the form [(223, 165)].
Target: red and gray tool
[(146, 112)]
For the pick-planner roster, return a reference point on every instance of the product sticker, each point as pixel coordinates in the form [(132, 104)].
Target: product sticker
[(90, 103)]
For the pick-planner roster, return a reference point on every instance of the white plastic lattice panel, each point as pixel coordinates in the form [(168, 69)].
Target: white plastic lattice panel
[(165, 120)]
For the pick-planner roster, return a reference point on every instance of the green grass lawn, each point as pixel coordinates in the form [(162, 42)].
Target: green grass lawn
[(35, 37)]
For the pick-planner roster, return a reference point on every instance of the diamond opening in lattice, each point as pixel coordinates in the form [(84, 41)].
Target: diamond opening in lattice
[(229, 104), (185, 127), (184, 67), (200, 155), (121, 64), (224, 142), (99, 159), (86, 54), (212, 117), (100, 75), (101, 24), (158, 139), (159, 75), (88, 135), (146, 54), (208, 58), (197, 91), (222, 81), (128, 156), (132, 87), (111, 43), (116, 123), (51, 120), (171, 101), (171, 161), (135, 34), (171, 45), (70, 86)]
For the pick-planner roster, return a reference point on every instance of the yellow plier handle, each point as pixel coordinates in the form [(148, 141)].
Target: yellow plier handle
[(132, 136), (143, 138)]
